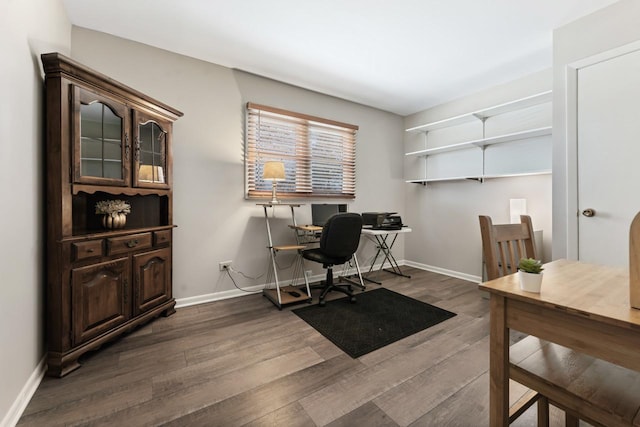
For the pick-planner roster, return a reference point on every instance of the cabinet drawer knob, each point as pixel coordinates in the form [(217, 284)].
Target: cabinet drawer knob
[(90, 250), (132, 243)]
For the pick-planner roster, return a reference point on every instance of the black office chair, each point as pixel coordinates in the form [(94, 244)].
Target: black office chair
[(339, 241)]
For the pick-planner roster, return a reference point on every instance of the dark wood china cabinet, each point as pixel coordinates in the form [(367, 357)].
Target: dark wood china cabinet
[(106, 142)]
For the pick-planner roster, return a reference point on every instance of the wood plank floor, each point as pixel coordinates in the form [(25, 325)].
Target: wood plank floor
[(241, 362)]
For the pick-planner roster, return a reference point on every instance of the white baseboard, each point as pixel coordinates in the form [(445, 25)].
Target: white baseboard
[(217, 296), (456, 274), (233, 293), (22, 400)]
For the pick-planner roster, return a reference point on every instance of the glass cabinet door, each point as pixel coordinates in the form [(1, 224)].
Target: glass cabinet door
[(101, 154), (151, 155)]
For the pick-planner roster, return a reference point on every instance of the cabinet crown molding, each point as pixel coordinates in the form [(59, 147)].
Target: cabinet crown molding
[(57, 63)]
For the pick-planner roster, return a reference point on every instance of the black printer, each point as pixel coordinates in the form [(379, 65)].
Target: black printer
[(382, 220)]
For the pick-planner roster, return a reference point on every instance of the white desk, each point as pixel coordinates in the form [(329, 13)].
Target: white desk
[(381, 237)]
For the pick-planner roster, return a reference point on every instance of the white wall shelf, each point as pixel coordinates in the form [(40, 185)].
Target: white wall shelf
[(518, 104), (511, 175), (479, 178), (532, 133), (453, 178), (519, 138)]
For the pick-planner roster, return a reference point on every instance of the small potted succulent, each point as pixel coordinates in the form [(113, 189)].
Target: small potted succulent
[(530, 274), (114, 213)]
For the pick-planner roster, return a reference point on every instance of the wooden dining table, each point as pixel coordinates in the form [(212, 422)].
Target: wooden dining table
[(584, 307)]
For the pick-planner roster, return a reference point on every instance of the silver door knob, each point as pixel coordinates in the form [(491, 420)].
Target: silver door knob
[(589, 212)]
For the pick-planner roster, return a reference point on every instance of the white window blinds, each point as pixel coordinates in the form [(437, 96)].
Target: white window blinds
[(319, 155)]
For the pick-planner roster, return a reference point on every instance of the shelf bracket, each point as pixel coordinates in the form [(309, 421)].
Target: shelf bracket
[(424, 183), (483, 148), (484, 121)]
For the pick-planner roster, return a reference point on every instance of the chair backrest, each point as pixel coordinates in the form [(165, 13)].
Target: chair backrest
[(341, 235), (504, 244)]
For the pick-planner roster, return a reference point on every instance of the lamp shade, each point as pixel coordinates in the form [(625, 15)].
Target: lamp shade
[(273, 171), (149, 173)]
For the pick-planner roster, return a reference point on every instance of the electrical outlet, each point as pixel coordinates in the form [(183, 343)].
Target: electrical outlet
[(224, 265), (308, 273)]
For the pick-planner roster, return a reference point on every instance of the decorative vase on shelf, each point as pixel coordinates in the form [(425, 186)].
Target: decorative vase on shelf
[(114, 221), (114, 213)]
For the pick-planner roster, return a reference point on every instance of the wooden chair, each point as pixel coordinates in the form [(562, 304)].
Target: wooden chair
[(584, 387), (503, 245)]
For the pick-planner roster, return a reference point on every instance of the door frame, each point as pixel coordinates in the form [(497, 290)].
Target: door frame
[(571, 108)]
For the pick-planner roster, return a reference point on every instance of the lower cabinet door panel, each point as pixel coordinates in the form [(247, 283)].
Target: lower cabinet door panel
[(100, 298), (152, 279)]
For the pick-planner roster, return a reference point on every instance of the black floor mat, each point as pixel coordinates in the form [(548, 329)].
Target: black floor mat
[(378, 318)]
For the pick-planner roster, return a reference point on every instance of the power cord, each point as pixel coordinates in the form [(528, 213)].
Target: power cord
[(242, 274), (228, 270)]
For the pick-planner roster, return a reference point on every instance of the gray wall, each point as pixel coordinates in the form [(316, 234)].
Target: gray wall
[(444, 216), (603, 30), (215, 222), (27, 29)]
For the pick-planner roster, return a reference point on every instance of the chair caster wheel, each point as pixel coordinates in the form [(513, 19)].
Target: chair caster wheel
[(322, 303), (352, 300)]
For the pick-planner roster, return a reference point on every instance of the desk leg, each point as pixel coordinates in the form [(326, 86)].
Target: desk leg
[(387, 249), (275, 276), (498, 364), (272, 254), (375, 258)]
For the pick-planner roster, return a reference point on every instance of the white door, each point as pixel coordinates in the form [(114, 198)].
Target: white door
[(608, 135)]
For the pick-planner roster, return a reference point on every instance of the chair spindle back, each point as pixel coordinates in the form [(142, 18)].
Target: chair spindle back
[(503, 245)]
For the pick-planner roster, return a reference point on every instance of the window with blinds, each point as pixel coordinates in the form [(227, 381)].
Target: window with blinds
[(319, 155)]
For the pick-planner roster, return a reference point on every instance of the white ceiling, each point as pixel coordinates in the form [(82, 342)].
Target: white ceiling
[(401, 56)]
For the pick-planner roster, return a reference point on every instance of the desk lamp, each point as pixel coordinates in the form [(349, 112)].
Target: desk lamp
[(273, 171)]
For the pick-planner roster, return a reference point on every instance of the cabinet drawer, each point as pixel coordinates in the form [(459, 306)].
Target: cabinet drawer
[(161, 237), (119, 245), (88, 249)]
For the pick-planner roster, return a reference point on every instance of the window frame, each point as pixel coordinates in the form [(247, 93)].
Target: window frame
[(301, 135)]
